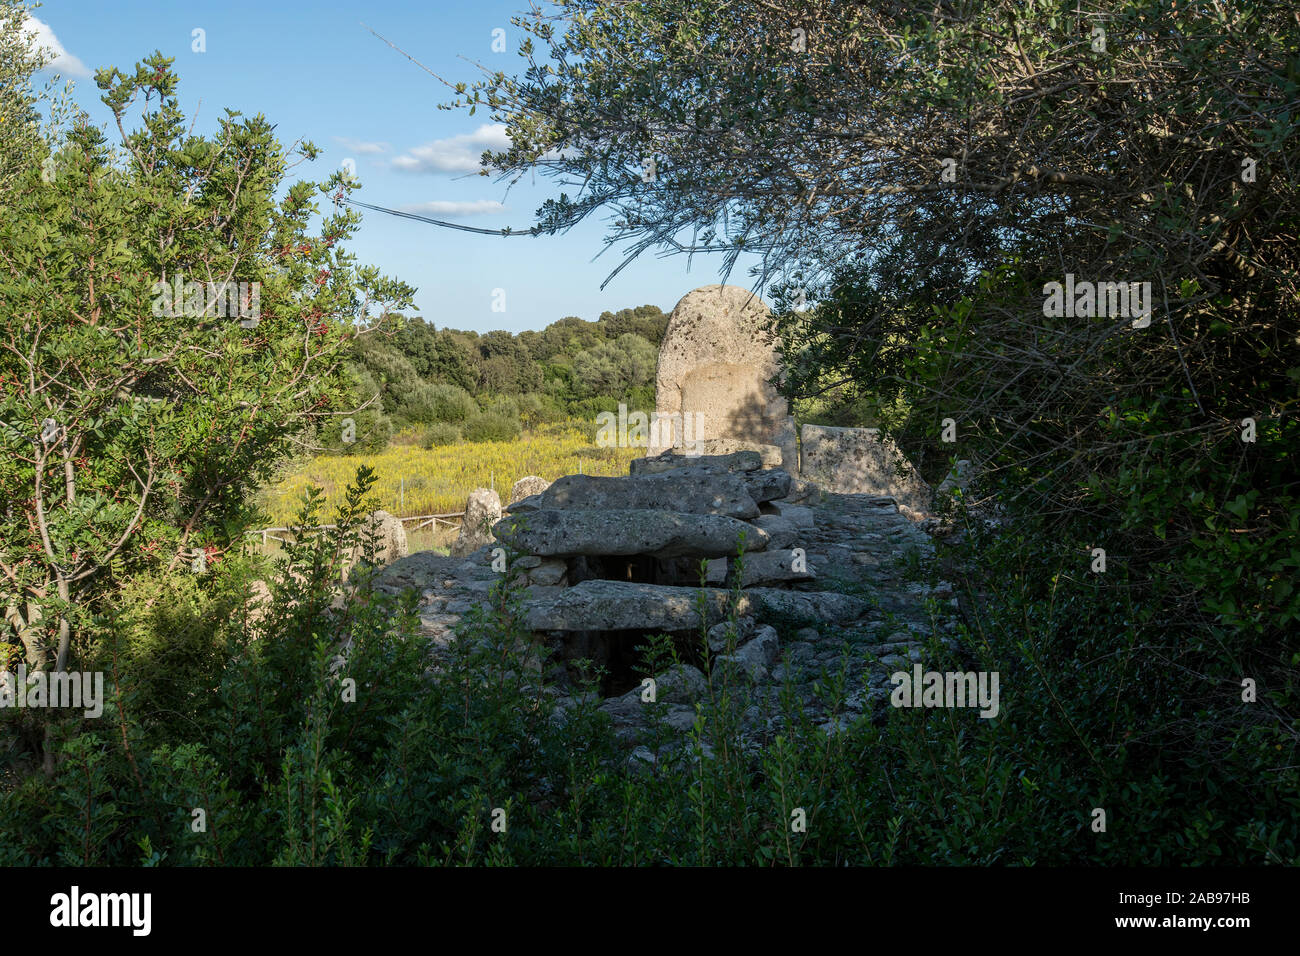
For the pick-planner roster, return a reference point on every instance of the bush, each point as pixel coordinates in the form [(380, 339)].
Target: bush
[(452, 403), (437, 402), (506, 406), (441, 433), (535, 410), (490, 426), (292, 775)]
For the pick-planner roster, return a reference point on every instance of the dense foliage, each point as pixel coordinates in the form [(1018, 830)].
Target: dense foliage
[(170, 328), (328, 742), (452, 385), (921, 174)]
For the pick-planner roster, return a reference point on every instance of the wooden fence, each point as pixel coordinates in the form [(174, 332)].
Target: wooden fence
[(425, 521)]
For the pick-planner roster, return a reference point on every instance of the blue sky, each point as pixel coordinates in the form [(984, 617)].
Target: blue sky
[(314, 71)]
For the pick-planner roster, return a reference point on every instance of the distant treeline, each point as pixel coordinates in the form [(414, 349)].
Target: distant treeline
[(453, 385)]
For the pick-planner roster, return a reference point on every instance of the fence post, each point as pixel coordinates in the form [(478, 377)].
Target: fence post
[(401, 499)]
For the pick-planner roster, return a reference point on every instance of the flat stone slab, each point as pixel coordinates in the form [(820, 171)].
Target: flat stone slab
[(599, 605), (684, 491), (783, 532), (829, 606), (663, 534), (798, 515), (768, 484), (765, 567), (739, 461)]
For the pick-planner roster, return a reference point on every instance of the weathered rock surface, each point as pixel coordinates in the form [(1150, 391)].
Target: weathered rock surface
[(683, 491), (482, 510), (632, 606), (549, 572), (800, 516), (713, 455), (810, 605), (556, 533), (716, 363), (768, 484), (861, 461), (526, 487), (676, 691), (765, 567), (719, 634), (389, 539), (626, 606), (737, 461), (752, 659), (525, 504), (781, 532)]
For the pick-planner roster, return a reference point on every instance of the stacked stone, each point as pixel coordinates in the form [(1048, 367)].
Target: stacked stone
[(624, 554)]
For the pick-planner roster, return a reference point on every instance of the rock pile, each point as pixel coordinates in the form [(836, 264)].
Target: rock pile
[(633, 547), (609, 562)]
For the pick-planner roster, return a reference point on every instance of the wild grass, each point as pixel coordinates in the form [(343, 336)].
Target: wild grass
[(419, 481)]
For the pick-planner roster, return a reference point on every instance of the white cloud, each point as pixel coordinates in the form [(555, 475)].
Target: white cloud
[(361, 146), (457, 154), (448, 207), (61, 60)]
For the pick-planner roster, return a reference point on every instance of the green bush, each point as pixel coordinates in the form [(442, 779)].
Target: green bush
[(293, 771), (507, 406), (452, 404), (437, 402), (491, 426), (441, 433)]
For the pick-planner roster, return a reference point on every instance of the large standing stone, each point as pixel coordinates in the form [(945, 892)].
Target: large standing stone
[(688, 492), (482, 510), (663, 534), (388, 537), (715, 364), (858, 461)]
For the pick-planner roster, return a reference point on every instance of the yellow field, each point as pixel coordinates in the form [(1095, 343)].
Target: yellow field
[(438, 480)]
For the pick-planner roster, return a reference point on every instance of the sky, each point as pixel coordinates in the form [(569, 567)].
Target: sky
[(314, 70)]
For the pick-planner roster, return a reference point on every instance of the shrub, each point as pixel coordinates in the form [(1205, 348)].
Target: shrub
[(490, 426), (441, 433), (452, 403)]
